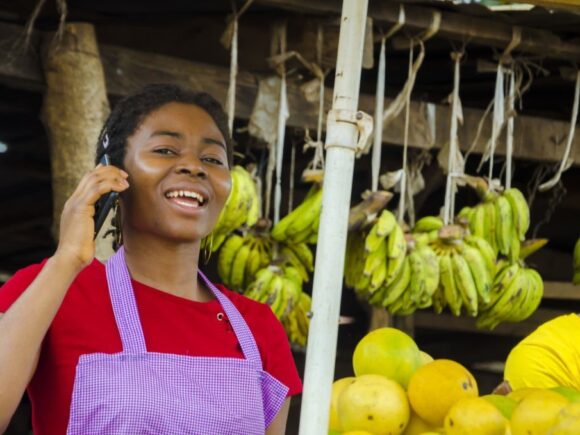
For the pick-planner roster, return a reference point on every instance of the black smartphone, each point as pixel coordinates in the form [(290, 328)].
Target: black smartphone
[(105, 203)]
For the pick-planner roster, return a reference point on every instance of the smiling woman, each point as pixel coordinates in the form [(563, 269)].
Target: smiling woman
[(145, 343)]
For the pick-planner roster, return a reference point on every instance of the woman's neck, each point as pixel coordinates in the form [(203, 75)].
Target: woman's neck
[(165, 265)]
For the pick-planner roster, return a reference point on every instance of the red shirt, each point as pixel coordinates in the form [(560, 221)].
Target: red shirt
[(85, 323)]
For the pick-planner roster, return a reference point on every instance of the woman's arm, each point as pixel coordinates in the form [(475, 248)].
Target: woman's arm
[(278, 425), (24, 325)]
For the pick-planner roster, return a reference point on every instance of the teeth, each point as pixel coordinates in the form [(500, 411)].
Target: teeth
[(186, 194)]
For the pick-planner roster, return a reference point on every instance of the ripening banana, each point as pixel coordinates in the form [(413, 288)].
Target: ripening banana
[(465, 283), (481, 274), (447, 284), (504, 224), (520, 210), (298, 226)]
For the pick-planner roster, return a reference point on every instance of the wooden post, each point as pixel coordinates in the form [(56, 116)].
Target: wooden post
[(74, 110)]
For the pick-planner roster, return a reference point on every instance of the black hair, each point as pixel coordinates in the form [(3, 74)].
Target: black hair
[(129, 113)]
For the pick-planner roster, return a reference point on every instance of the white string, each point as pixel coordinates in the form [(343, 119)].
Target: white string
[(378, 128), (231, 97), (498, 115), (403, 189), (282, 115), (510, 129), (564, 163), (449, 208)]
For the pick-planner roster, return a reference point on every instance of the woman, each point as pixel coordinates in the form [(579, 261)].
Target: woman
[(145, 344)]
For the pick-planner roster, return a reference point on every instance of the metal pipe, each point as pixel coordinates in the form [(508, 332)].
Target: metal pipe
[(340, 154)]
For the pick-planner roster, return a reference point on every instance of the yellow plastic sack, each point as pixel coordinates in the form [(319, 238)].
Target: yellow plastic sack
[(548, 357)]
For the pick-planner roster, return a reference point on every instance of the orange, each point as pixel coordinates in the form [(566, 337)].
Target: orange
[(387, 352), (437, 386)]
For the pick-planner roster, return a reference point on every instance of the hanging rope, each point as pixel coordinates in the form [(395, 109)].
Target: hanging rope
[(282, 116), (510, 129), (564, 164), (449, 208), (380, 102), (404, 174), (229, 40)]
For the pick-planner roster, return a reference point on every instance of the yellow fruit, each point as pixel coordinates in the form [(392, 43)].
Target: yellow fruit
[(387, 352), (569, 393), (437, 386), (375, 404), (568, 421), (504, 404), (474, 416), (519, 395), (337, 389), (537, 412), (425, 357), (356, 432), (416, 426)]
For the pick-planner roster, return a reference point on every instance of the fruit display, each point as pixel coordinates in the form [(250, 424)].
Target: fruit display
[(242, 207), (441, 397), (576, 278), (297, 320), (301, 224)]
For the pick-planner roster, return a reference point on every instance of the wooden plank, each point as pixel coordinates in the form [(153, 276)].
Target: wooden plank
[(447, 322), (126, 70), (561, 290), (460, 27)]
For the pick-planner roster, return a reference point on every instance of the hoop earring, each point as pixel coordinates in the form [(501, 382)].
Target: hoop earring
[(207, 248)]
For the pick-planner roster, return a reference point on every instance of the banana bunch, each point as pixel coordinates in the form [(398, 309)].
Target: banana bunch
[(502, 219), (297, 322), (466, 271), (576, 279), (414, 284), (296, 255), (241, 256), (375, 257), (301, 224), (279, 287), (516, 293), (241, 208)]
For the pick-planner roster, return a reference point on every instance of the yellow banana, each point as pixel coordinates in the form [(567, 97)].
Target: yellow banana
[(447, 283), (485, 250), (491, 224), (520, 210), (418, 272), (432, 272), (238, 268), (397, 244), (373, 240), (378, 277), (306, 214), (398, 286), (504, 224), (385, 223), (375, 258), (479, 271), (464, 283), (304, 254), (477, 223), (427, 224), (226, 256)]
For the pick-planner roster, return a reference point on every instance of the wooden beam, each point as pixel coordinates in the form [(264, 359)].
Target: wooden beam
[(460, 27), (447, 322), (126, 70), (561, 290)]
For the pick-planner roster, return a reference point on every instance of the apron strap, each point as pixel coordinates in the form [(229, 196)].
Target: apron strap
[(239, 325), (124, 304)]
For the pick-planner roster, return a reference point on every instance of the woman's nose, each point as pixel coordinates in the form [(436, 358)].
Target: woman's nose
[(190, 165)]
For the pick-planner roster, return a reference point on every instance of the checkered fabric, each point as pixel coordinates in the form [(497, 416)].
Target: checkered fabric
[(140, 392)]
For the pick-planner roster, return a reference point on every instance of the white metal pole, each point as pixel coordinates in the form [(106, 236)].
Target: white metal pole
[(341, 137)]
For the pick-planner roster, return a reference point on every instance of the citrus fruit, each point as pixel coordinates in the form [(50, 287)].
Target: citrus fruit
[(425, 357), (436, 386), (568, 421), (388, 352), (520, 394), (504, 404), (537, 412), (416, 426), (375, 404), (474, 416), (337, 388), (356, 432)]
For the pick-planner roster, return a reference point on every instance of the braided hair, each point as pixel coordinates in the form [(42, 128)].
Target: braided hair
[(129, 113)]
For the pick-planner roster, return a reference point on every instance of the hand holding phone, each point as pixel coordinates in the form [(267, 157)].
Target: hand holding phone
[(105, 203)]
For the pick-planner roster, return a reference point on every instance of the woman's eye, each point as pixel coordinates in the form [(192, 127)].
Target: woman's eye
[(213, 160), (164, 151)]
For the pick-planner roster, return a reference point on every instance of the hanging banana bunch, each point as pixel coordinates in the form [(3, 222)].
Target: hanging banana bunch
[(466, 270), (242, 207), (502, 219), (297, 322), (241, 256), (375, 257), (576, 278), (279, 287), (516, 293), (301, 225)]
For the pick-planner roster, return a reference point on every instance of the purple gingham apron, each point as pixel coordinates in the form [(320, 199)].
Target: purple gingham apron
[(140, 392)]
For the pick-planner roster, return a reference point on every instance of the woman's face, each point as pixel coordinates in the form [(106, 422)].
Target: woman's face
[(178, 174)]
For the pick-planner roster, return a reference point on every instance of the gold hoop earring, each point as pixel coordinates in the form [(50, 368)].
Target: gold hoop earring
[(207, 248)]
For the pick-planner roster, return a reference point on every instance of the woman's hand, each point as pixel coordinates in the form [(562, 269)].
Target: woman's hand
[(77, 226)]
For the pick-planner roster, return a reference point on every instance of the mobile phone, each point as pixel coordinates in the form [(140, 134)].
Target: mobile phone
[(105, 203)]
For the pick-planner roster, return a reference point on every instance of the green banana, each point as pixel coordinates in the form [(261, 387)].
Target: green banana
[(396, 288), (520, 210), (447, 282), (465, 283), (504, 224), (427, 224), (479, 271), (485, 250), (397, 245), (385, 223)]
